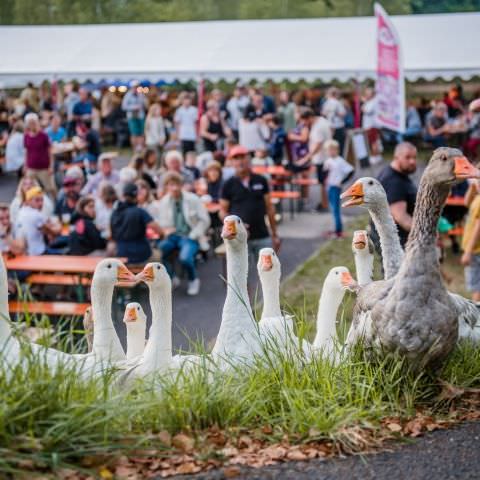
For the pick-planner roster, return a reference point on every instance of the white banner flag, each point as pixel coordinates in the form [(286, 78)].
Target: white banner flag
[(390, 86)]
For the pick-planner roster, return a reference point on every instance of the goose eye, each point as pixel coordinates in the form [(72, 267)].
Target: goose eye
[(138, 308), (158, 267), (336, 273), (370, 182), (109, 265)]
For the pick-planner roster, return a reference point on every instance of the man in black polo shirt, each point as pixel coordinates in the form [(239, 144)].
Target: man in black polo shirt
[(247, 195), (401, 191)]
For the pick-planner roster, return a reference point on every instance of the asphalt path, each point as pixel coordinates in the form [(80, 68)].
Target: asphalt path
[(441, 455)]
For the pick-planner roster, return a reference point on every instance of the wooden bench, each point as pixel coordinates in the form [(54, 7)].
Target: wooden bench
[(48, 308), (455, 232), (53, 279), (305, 182), (286, 195)]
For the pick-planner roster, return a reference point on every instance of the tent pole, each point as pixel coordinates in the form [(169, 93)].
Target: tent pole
[(356, 105)]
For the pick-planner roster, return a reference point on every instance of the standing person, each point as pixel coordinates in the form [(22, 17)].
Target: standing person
[(277, 141), (104, 204), (129, 224), (248, 196), (185, 120), (369, 124), (212, 128), (39, 158), (155, 135), (253, 131), (184, 221), (287, 111), (319, 132), (236, 107), (334, 111), (471, 244), (338, 171), (134, 104), (15, 149), (70, 100), (401, 191)]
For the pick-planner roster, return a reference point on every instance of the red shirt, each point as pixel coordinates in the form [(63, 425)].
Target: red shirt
[(37, 147)]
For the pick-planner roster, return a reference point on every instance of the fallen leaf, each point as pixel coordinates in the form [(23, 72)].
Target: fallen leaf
[(394, 427), (230, 472), (229, 451), (183, 442), (267, 429), (244, 441), (105, 473), (187, 468), (165, 438), (296, 455), (450, 392)]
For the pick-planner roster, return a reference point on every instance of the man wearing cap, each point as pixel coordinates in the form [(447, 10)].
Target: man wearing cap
[(134, 104), (68, 197), (247, 195), (129, 225), (32, 225), (106, 174)]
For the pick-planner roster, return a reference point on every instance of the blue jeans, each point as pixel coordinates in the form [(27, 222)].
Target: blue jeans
[(187, 250), (334, 202)]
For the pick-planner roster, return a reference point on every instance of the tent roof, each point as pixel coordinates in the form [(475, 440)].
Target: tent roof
[(444, 45)]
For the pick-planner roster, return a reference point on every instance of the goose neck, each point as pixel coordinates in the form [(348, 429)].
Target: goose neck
[(271, 296), (364, 268), (328, 306)]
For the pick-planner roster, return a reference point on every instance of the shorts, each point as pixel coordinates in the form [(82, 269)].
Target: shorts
[(472, 275), (136, 126), (322, 174)]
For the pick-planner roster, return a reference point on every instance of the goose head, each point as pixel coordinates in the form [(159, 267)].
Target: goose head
[(134, 316), (366, 191), (154, 274), (268, 265), (448, 166), (338, 280), (361, 243), (234, 231), (111, 271)]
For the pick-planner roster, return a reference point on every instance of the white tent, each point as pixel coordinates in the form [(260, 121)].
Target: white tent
[(445, 46)]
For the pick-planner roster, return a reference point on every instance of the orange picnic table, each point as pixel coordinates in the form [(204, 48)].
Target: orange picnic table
[(54, 263), (272, 170), (455, 202)]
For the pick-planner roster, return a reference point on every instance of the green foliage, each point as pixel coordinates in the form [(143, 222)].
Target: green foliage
[(49, 12)]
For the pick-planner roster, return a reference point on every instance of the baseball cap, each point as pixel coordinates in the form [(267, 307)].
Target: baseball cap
[(130, 190), (237, 151), (69, 181)]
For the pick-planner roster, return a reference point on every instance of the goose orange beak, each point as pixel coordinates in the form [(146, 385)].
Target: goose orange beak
[(346, 279), (266, 262), (354, 195), (125, 275), (130, 315), (464, 169), (229, 231), (359, 241), (146, 275)]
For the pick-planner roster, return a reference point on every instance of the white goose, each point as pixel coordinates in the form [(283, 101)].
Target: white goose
[(238, 337), (136, 322), (369, 192), (157, 356), (363, 253), (274, 326), (106, 344), (336, 283)]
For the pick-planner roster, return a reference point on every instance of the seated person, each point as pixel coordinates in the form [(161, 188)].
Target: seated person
[(67, 198), (85, 238), (184, 221), (25, 184), (91, 145), (437, 126), (8, 242), (191, 164), (174, 163), (213, 175), (139, 165), (261, 159), (32, 225), (128, 225), (55, 131), (105, 174), (104, 205)]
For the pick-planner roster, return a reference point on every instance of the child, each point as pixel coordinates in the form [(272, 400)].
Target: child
[(261, 159), (276, 146), (339, 171), (471, 242)]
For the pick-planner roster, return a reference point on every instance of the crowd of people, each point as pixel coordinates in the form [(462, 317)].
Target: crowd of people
[(191, 165)]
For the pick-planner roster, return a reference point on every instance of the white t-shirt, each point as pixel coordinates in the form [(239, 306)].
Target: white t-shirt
[(320, 132), (187, 121), (28, 225), (338, 168), (334, 111), (252, 135), (14, 152), (369, 117)]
